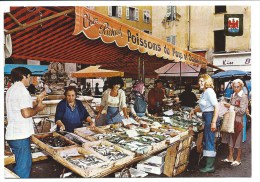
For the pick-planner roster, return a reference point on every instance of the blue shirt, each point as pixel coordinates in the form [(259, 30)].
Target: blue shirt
[(61, 108), (208, 100)]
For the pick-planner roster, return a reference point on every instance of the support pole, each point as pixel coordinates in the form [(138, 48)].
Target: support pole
[(143, 72), (139, 68)]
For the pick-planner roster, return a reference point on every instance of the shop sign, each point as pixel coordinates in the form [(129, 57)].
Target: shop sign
[(95, 25)]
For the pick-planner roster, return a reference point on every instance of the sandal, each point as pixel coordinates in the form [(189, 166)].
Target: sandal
[(227, 160), (235, 163)]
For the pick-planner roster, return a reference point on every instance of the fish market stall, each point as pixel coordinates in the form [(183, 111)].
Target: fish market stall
[(107, 149)]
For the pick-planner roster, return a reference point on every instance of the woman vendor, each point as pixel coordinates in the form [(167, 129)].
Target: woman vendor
[(113, 102), (70, 112)]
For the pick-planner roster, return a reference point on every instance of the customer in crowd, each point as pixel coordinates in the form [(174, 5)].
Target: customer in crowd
[(155, 98), (138, 105), (187, 97), (208, 105), (238, 103), (71, 113), (97, 92), (31, 89), (20, 109), (88, 89), (105, 86), (113, 102), (46, 88)]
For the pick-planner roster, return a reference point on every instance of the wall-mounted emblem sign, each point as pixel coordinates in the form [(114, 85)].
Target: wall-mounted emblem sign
[(233, 24)]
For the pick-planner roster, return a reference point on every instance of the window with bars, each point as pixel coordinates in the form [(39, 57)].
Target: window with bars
[(171, 39), (115, 11), (171, 13), (132, 13), (146, 16)]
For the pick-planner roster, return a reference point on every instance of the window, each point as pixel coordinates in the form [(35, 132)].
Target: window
[(147, 31), (146, 16), (220, 9), (115, 11), (171, 39), (171, 13), (132, 13), (219, 41)]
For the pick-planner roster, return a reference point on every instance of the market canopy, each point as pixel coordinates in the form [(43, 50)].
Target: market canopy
[(37, 70), (79, 35), (230, 74), (178, 69), (95, 72)]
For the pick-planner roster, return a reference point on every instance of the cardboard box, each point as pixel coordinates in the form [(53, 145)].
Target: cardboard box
[(157, 159), (150, 168)]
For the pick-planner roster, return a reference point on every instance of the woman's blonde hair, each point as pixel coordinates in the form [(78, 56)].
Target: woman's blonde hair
[(208, 81)]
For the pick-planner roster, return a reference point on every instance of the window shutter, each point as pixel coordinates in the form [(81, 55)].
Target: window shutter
[(173, 41), (174, 12), (168, 39), (127, 12), (109, 10), (169, 11), (136, 14), (119, 9)]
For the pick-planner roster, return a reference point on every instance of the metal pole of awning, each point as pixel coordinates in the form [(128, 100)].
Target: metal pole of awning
[(139, 68), (180, 76), (143, 72)]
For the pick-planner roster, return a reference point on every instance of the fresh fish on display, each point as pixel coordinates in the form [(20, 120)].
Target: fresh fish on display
[(55, 141), (109, 151), (84, 161)]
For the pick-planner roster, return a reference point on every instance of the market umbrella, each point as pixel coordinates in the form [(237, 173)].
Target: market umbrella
[(231, 73), (178, 70), (95, 71)]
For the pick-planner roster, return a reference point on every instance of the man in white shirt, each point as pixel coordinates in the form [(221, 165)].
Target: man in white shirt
[(20, 109)]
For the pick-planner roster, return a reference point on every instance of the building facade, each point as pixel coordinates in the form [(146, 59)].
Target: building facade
[(135, 16), (200, 29)]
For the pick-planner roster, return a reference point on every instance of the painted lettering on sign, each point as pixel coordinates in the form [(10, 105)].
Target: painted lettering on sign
[(227, 62), (248, 61)]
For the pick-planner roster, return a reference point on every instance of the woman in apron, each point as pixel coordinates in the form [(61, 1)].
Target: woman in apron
[(113, 102), (70, 112)]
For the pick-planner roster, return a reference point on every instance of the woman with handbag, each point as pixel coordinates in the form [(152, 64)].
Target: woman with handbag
[(208, 105), (137, 103), (113, 102), (238, 103)]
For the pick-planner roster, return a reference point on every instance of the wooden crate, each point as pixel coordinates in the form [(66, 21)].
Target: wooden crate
[(129, 157), (8, 174), (49, 149), (170, 159), (86, 133), (95, 169), (182, 157), (180, 169), (185, 142)]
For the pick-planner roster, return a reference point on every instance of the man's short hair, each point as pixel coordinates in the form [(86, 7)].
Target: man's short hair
[(18, 73)]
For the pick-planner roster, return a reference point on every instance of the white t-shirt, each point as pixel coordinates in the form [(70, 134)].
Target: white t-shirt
[(208, 100), (17, 98)]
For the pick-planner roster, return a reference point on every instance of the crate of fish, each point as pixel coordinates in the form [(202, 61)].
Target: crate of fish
[(52, 142), (112, 152), (129, 143), (83, 162), (156, 139), (86, 133)]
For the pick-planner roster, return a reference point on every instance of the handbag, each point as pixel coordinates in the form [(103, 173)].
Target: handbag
[(228, 122)]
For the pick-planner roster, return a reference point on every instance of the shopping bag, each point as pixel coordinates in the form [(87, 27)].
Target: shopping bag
[(228, 122)]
